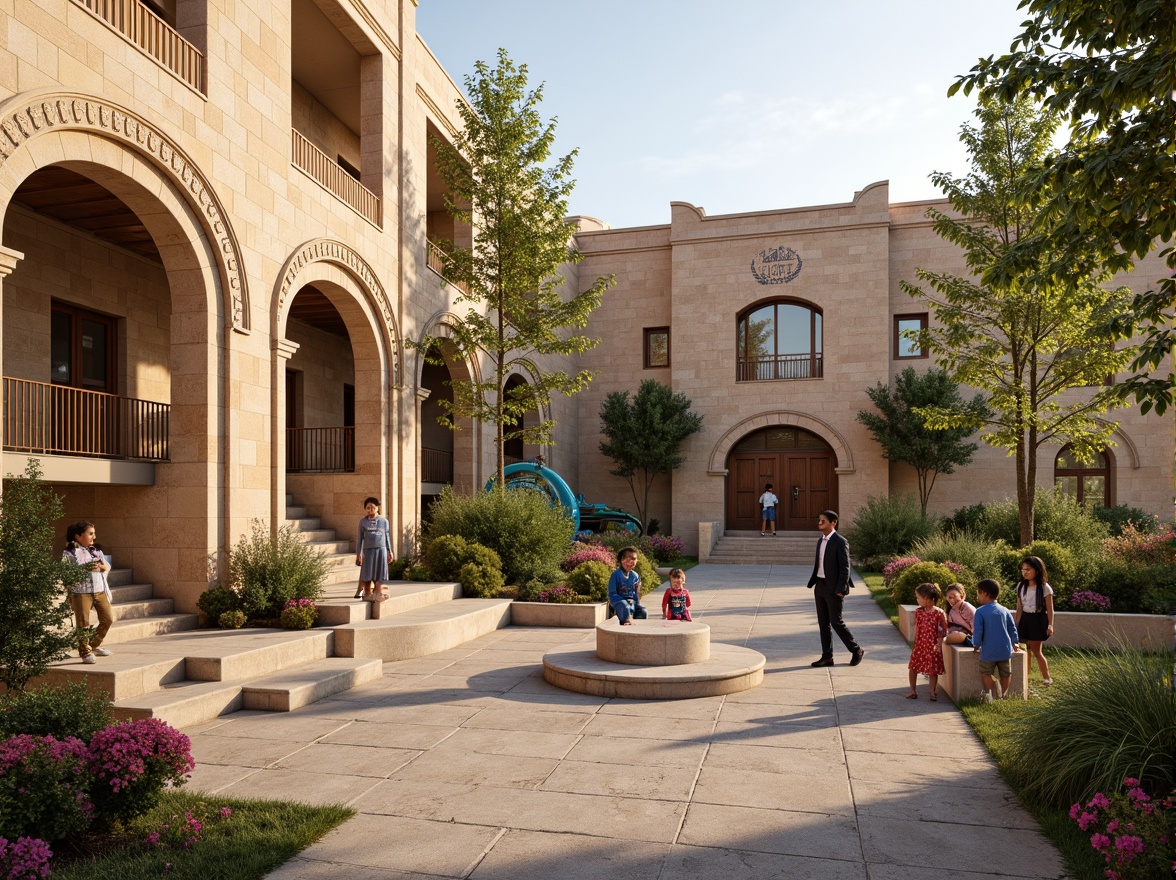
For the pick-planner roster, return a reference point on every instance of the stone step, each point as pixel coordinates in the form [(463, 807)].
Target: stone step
[(141, 608), (299, 686), (341, 610), (305, 523), (241, 654), (119, 577), (132, 593), (142, 628), (332, 547), (422, 631), (317, 536), (126, 674), (184, 703), (298, 512)]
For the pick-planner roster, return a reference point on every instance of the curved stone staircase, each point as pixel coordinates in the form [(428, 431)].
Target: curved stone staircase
[(162, 666)]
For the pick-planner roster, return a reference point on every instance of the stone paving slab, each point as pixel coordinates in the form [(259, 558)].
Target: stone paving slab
[(467, 764)]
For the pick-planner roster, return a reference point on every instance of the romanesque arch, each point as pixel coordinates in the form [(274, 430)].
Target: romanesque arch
[(717, 462)]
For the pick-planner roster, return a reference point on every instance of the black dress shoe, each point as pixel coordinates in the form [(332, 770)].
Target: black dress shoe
[(857, 656), (824, 661)]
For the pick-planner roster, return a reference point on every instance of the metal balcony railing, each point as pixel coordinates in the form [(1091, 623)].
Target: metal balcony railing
[(60, 420), (436, 465), (320, 450), (327, 173), (436, 262), (152, 35), (780, 366)]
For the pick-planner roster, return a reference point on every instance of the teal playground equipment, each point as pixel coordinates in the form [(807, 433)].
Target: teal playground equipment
[(534, 476)]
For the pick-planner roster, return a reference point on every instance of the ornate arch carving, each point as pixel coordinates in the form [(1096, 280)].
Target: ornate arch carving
[(29, 115), (439, 326), (326, 250), (717, 463)]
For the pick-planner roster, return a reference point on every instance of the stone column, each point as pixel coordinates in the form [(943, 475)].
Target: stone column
[(283, 350), (8, 260)]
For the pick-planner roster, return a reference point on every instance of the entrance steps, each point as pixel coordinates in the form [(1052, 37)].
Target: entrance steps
[(163, 667), (750, 548)]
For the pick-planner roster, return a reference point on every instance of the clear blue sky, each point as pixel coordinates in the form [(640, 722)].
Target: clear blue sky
[(742, 105)]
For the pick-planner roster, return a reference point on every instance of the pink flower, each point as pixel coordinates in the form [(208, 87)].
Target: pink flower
[(1100, 841), (225, 812), (1099, 800)]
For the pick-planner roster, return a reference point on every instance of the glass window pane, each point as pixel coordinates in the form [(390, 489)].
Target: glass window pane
[(94, 344), (659, 349), (1067, 486), (794, 331), (908, 347), (817, 332), (59, 359), (761, 329), (1094, 490)]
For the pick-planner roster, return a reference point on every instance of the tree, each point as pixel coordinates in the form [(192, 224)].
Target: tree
[(905, 437), (499, 184), (644, 436), (35, 620), (1110, 69), (1037, 340)]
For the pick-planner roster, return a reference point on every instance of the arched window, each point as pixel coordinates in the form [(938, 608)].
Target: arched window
[(779, 340), (1085, 483)]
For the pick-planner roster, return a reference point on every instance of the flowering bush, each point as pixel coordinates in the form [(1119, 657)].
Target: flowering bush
[(1141, 547), (231, 620), (25, 859), (1088, 600), (666, 548), (559, 595), (1133, 833), (132, 762), (184, 832), (43, 788), (299, 614), (588, 552), (893, 569)]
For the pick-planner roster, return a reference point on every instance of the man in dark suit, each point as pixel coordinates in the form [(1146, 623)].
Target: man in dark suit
[(830, 585)]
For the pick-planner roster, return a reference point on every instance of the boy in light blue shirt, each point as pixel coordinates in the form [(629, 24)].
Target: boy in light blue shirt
[(994, 635)]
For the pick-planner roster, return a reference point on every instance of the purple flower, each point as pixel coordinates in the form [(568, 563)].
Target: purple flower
[(225, 812), (1100, 841), (1099, 800)]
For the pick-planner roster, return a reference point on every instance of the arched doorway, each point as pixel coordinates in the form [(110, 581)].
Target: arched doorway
[(799, 464)]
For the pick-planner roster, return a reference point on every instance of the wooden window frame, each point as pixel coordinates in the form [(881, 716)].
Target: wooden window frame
[(816, 353), (1108, 474), (646, 358), (897, 339), (77, 315)]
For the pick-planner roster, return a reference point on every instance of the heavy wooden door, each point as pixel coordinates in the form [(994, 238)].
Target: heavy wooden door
[(804, 481)]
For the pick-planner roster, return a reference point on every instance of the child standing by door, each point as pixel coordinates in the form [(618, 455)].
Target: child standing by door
[(768, 502)]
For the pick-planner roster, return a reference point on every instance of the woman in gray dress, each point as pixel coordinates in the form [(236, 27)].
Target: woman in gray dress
[(373, 552)]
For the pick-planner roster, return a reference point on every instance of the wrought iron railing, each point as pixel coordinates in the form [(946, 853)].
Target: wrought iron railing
[(436, 262), (320, 450), (780, 366), (60, 420), (436, 465), (153, 35), (327, 172)]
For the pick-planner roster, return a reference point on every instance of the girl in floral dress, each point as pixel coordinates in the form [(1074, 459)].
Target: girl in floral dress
[(930, 628)]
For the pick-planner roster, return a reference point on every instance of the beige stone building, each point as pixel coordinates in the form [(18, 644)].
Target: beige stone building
[(217, 250)]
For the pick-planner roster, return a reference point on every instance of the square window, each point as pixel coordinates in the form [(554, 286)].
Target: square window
[(657, 347), (904, 347)]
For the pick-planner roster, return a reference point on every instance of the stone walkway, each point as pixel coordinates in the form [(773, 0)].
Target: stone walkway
[(468, 764)]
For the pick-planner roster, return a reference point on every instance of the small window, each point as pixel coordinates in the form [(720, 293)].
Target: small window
[(83, 349), (905, 347), (657, 347), (1085, 482)]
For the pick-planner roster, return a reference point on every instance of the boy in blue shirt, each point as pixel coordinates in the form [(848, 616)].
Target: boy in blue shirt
[(994, 635), (624, 589)]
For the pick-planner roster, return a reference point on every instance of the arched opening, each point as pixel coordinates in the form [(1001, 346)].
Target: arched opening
[(447, 453), (514, 447), (800, 466), (779, 339), (112, 309), (1086, 482)]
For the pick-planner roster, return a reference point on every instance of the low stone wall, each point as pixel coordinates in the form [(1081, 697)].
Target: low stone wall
[(557, 614), (1082, 629), (708, 535)]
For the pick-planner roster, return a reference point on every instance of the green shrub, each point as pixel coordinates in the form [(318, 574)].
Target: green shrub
[(1114, 719), (1114, 518), (267, 570), (446, 554), (977, 554), (398, 568), (902, 588), (529, 535), (647, 571), (231, 620), (44, 789), (1055, 518), (481, 581), (299, 614), (54, 711), (966, 519), (532, 588), (217, 601), (591, 579), (421, 574), (887, 527), (1059, 566), (1135, 588)]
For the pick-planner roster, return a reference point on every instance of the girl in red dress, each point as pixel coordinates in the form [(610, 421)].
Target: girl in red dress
[(930, 628)]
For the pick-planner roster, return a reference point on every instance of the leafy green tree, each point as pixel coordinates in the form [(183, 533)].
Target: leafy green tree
[(35, 622), (500, 185), (1036, 340), (644, 436), (1109, 68), (905, 437)]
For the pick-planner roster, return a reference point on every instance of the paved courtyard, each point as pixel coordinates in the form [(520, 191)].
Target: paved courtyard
[(468, 764)]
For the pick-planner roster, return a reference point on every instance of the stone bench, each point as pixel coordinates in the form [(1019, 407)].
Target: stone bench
[(961, 679), (653, 642)]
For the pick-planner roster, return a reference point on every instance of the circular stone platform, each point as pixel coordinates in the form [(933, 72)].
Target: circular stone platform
[(653, 642), (654, 660)]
